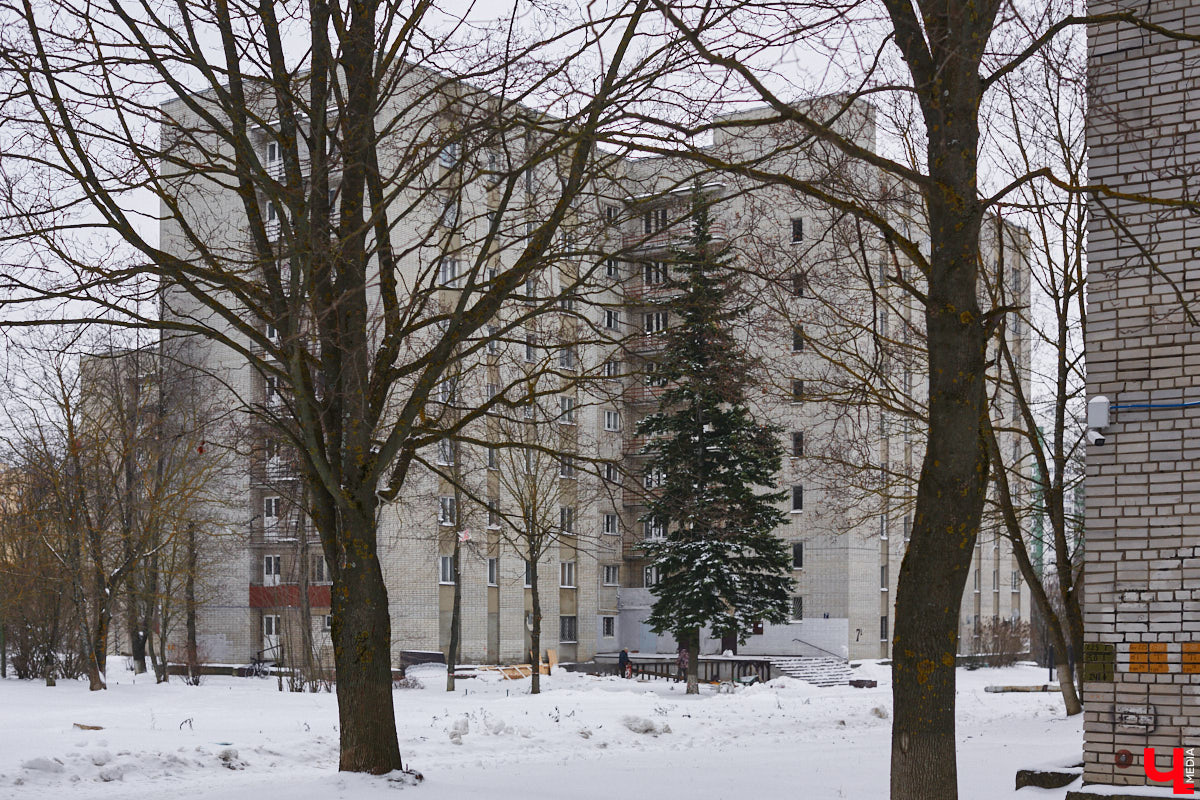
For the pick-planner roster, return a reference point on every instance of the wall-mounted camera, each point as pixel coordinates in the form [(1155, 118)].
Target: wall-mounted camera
[(1095, 437)]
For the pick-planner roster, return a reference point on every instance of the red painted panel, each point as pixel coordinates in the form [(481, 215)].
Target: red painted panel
[(288, 596)]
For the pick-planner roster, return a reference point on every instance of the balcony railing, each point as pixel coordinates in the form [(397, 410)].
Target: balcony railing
[(670, 237)]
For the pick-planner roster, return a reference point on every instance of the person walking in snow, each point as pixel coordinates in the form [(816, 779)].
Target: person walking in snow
[(682, 662)]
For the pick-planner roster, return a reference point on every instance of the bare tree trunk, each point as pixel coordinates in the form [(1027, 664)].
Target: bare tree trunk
[(362, 636), (98, 648), (535, 636), (455, 613), (3, 650), (189, 605)]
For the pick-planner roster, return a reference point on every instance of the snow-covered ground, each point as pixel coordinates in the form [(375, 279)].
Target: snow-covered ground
[(584, 737)]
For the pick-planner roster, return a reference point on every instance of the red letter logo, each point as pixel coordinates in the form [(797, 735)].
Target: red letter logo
[(1175, 775)]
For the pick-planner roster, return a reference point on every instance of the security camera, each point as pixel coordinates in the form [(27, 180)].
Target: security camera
[(1095, 437)]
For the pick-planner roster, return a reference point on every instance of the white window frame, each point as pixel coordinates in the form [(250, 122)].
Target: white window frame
[(566, 575), (797, 606), (654, 322), (797, 498), (447, 511), (566, 520), (574, 633), (612, 319), (611, 575), (608, 626), (446, 570), (650, 576), (566, 467), (493, 573), (528, 574), (612, 369), (612, 525), (445, 452), (272, 569), (566, 408), (612, 420), (448, 271)]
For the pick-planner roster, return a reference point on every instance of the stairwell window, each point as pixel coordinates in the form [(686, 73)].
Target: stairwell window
[(566, 520), (493, 572), (611, 575), (448, 272), (798, 339), (797, 498), (883, 628), (883, 577), (797, 391), (271, 570), (566, 410), (612, 319), (797, 230), (493, 509), (446, 511), (797, 614), (797, 555), (566, 574), (797, 444), (446, 570)]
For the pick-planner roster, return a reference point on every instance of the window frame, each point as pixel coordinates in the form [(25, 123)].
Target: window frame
[(445, 570)]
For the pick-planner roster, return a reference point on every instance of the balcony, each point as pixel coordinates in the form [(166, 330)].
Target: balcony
[(648, 293), (669, 238)]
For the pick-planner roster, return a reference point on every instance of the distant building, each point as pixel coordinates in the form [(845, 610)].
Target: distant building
[(847, 537)]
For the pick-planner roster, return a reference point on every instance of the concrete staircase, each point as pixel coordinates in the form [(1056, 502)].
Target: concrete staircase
[(817, 670)]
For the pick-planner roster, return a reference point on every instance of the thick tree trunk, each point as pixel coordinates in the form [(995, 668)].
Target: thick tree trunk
[(535, 636), (98, 648), (362, 637), (954, 474)]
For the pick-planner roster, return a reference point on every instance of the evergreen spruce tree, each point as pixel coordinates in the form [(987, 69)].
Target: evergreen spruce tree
[(720, 563)]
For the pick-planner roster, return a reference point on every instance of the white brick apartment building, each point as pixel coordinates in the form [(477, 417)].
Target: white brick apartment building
[(847, 534)]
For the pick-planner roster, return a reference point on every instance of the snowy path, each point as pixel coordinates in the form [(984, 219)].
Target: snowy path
[(577, 739)]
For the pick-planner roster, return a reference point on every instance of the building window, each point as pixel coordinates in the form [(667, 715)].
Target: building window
[(612, 369), (797, 498), (568, 357), (611, 213), (610, 471), (1016, 580), (611, 575), (883, 526), (566, 467), (274, 155), (797, 391), (492, 389), (446, 391), (653, 529), (611, 525), (883, 577), (528, 409), (530, 348), (445, 452), (797, 444), (611, 268), (797, 555), (612, 420), (977, 581), (799, 284), (797, 609), (272, 567), (654, 272), (272, 511), (446, 569), (566, 410), (566, 519), (567, 630), (654, 478), (448, 157), (447, 513), (654, 221), (650, 576), (608, 627), (449, 216), (493, 572), (449, 271), (907, 529), (529, 462), (320, 570), (493, 458), (612, 319), (798, 339), (271, 634), (493, 339), (883, 628), (566, 574), (327, 622), (654, 321), (528, 574), (493, 507), (797, 230), (995, 580)]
